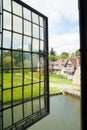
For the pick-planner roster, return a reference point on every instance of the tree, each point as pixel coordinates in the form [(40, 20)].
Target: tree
[(53, 58), (52, 52), (77, 53), (7, 62), (18, 58), (64, 55)]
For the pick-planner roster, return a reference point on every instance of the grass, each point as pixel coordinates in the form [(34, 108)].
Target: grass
[(59, 79), (54, 90), (18, 93)]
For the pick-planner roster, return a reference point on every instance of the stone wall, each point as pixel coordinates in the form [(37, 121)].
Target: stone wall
[(77, 76)]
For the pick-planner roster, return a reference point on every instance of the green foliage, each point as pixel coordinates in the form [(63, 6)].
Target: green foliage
[(7, 62), (18, 58), (53, 58), (52, 52), (77, 53), (64, 55)]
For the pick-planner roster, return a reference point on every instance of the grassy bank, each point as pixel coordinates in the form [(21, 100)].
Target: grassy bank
[(59, 79), (54, 90)]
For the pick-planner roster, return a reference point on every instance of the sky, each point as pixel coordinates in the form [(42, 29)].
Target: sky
[(63, 22)]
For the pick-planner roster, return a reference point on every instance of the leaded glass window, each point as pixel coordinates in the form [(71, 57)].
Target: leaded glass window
[(24, 81)]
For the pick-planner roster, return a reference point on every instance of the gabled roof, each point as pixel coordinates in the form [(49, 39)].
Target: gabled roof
[(62, 63), (58, 65)]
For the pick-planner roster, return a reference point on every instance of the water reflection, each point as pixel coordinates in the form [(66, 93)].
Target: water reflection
[(64, 115)]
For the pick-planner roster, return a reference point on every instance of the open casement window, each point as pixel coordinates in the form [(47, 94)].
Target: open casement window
[(83, 41), (24, 79)]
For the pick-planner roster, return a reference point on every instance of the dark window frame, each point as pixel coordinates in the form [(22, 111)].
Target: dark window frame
[(83, 50)]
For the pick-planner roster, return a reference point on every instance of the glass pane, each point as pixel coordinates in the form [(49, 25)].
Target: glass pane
[(35, 46), (41, 69), (35, 60), (17, 24), (7, 79), (17, 78), (35, 31), (0, 57), (36, 75), (42, 102), (7, 97), (0, 23), (27, 44), (7, 5), (41, 64), (17, 41), (0, 78), (7, 121), (42, 88), (41, 33), (17, 59), (27, 14), (6, 39), (27, 28), (0, 121), (35, 90), (17, 9), (27, 60), (41, 21), (0, 87), (42, 74), (35, 18), (36, 105), (17, 94), (7, 20), (0, 93), (0, 6), (27, 76), (27, 92), (27, 109), (18, 113), (0, 39), (44, 23), (7, 60), (41, 45)]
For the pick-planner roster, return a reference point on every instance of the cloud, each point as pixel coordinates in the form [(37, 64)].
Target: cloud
[(66, 42), (56, 9)]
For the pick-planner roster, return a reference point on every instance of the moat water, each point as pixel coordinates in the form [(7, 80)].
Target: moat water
[(65, 114)]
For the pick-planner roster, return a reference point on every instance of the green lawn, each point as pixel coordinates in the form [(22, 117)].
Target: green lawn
[(54, 90), (59, 79), (18, 93)]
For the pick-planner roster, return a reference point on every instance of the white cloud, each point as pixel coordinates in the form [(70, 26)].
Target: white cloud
[(66, 42), (56, 9)]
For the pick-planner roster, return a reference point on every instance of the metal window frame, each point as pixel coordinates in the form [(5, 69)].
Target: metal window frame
[(35, 116)]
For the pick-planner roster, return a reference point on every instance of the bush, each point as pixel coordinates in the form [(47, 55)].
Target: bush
[(53, 58)]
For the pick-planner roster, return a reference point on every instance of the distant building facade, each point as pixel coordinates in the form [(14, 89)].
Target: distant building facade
[(70, 68)]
